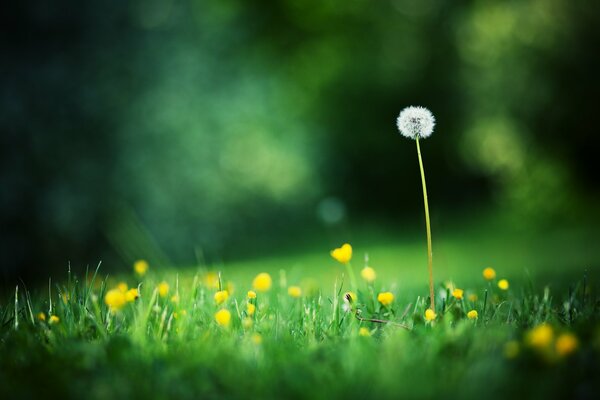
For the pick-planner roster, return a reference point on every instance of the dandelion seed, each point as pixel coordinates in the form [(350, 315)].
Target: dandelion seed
[(540, 337), (489, 273), (163, 289), (223, 317), (262, 282), (430, 315), (566, 344), (294, 291), (131, 295), (385, 298), (364, 331), (221, 296), (368, 274), (472, 314), (140, 267), (458, 294), (53, 320), (115, 299), (251, 294), (250, 309), (511, 349), (41, 316), (415, 122), (342, 254), (503, 284)]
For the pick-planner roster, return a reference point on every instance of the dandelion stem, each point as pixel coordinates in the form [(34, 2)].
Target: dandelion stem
[(427, 223), (351, 276)]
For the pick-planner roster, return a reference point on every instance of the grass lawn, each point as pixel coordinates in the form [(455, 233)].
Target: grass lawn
[(539, 338)]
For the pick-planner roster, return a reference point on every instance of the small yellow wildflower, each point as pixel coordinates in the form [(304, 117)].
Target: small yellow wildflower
[(140, 267), (458, 294), (262, 282), (251, 294), (385, 298), (368, 274), (54, 320), (176, 314), (511, 349), (430, 315), (230, 287), (473, 297), (350, 297), (256, 339), (41, 316), (295, 291), (175, 298), (247, 323), (364, 331), (221, 296), (122, 286), (115, 299), (223, 317), (342, 254), (503, 284), (131, 295), (472, 314), (489, 274), (163, 289), (540, 337), (250, 309), (211, 280), (566, 344)]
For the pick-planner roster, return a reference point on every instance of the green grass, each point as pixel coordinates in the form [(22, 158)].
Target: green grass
[(311, 347)]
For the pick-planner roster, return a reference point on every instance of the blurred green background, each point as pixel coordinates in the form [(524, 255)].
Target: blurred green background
[(184, 131)]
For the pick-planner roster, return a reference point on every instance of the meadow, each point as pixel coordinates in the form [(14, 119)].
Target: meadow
[(295, 325)]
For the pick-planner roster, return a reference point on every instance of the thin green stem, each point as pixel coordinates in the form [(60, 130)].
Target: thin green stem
[(352, 277), (427, 223)]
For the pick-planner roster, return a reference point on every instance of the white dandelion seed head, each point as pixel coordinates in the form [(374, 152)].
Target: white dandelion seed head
[(415, 122)]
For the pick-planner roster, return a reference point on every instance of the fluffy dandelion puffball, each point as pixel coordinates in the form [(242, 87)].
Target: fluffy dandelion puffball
[(415, 122)]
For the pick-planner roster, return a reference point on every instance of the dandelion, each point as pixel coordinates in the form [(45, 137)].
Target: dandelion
[(368, 274), (163, 289), (385, 298), (416, 123), (540, 337), (140, 267), (115, 299), (262, 282), (247, 323), (131, 295), (251, 294), (223, 317), (503, 284), (473, 297), (211, 280), (294, 291), (175, 298), (350, 297), (221, 296), (566, 344), (41, 316), (122, 286), (472, 314), (489, 274), (511, 349), (342, 254), (430, 315), (250, 309), (458, 294), (53, 320), (256, 339), (364, 331)]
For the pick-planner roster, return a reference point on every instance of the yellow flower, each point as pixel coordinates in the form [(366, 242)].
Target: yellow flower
[(247, 323), (175, 298), (472, 314), (540, 337), (350, 297), (41, 316), (54, 319), (251, 294), (176, 315), (115, 299), (256, 339), (342, 254), (566, 344), (221, 296), (295, 291), (430, 315), (385, 298), (223, 317), (250, 309), (163, 289), (489, 274), (140, 267), (211, 280), (458, 293), (503, 284), (131, 295), (511, 349), (364, 331), (368, 274), (473, 297), (262, 282), (122, 286)]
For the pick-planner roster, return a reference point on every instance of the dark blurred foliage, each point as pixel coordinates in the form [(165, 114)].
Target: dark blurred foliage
[(159, 129)]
